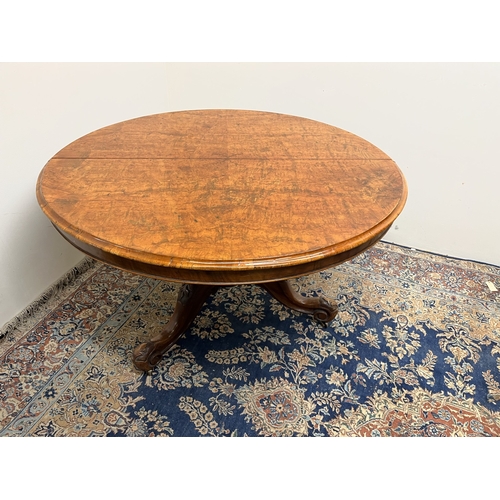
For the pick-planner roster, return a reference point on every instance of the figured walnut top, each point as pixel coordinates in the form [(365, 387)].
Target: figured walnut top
[(221, 189)]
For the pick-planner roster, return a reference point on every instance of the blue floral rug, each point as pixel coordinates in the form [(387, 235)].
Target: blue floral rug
[(414, 351)]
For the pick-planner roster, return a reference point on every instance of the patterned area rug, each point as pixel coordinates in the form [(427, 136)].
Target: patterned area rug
[(414, 351)]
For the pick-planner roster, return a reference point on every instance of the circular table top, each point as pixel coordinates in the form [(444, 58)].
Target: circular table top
[(220, 191)]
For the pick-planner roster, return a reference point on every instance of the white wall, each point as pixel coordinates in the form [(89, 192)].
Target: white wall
[(43, 107), (440, 122)]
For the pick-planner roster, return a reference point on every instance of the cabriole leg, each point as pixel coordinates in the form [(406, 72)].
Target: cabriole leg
[(321, 308), (189, 302)]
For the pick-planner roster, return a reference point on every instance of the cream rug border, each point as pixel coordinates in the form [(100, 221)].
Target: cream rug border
[(48, 300)]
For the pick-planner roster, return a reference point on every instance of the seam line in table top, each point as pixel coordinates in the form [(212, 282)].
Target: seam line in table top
[(212, 158)]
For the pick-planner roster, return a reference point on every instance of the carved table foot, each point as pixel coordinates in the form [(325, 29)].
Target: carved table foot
[(319, 307), (189, 302)]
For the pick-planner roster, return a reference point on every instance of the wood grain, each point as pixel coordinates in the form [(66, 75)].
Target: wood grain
[(193, 195)]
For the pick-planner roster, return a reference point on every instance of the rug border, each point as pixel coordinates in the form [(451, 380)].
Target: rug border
[(37, 309), (47, 300), (444, 256)]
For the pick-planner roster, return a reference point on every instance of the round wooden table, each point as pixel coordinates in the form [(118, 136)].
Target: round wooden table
[(221, 197)]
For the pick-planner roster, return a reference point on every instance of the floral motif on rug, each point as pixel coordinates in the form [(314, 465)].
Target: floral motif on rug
[(414, 351)]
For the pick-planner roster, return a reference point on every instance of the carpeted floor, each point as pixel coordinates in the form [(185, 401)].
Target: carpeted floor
[(414, 351)]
